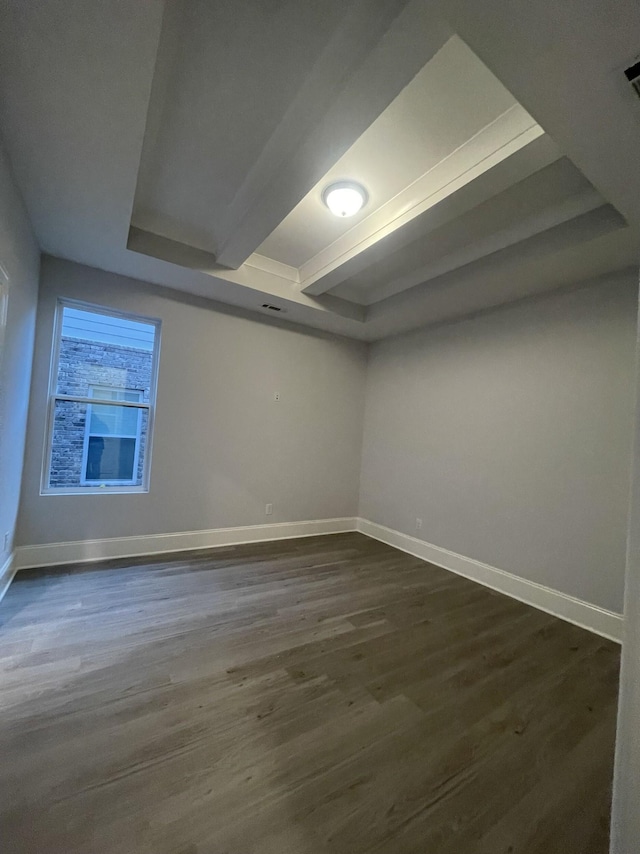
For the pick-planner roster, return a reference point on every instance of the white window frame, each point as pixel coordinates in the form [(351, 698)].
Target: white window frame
[(88, 434), (104, 487), (4, 308)]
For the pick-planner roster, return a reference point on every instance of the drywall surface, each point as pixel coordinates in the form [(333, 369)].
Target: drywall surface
[(625, 817), (223, 447), (20, 259), (509, 436)]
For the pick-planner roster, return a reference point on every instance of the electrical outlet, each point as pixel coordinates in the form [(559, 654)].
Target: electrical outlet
[(276, 395), (7, 539), (418, 524), (268, 509)]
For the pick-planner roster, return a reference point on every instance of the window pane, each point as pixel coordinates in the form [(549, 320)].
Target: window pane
[(114, 420), (110, 459), (79, 461), (100, 350), (105, 393)]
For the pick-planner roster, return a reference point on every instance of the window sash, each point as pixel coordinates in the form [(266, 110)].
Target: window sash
[(87, 486), (89, 433), (102, 401)]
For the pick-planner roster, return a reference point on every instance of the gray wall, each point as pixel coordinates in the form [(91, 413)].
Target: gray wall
[(625, 816), (222, 446), (509, 435), (20, 256)]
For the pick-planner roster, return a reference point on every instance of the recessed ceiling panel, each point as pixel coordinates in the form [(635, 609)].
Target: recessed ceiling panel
[(229, 72), (539, 202), (229, 77), (446, 104)]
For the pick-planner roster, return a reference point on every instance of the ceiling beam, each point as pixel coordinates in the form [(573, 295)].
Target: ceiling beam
[(157, 246), (391, 225), (266, 283), (564, 62), (474, 250), (594, 244), (466, 192)]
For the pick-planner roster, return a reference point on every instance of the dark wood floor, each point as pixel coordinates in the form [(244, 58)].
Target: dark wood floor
[(321, 696)]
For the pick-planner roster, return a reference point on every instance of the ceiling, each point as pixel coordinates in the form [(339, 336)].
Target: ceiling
[(432, 117), (187, 143)]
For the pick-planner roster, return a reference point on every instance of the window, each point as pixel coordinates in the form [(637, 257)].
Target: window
[(101, 401)]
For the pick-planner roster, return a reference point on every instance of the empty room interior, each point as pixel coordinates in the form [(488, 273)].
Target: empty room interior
[(319, 480)]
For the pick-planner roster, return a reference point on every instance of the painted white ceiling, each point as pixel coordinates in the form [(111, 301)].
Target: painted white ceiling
[(506, 218), (227, 75), (436, 113), (187, 144)]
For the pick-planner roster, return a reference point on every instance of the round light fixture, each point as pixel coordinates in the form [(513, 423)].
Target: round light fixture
[(344, 198)]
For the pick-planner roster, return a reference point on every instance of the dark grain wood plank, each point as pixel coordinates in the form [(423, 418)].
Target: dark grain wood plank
[(320, 696)]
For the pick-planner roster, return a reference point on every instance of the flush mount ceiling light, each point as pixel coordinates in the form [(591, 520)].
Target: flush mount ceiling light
[(344, 198)]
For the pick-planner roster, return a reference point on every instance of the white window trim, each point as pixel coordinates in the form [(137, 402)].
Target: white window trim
[(4, 309), (54, 397), (87, 435)]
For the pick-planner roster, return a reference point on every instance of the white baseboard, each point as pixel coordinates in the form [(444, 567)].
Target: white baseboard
[(86, 551), (598, 620), (7, 571)]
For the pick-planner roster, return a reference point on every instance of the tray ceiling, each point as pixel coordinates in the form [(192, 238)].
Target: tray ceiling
[(449, 101), (188, 144)]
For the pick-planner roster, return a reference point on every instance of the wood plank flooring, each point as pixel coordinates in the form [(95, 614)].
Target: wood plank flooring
[(329, 695)]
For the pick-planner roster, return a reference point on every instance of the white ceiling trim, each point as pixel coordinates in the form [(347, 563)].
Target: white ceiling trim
[(521, 230), (564, 61), (510, 132), (73, 120), (276, 268), (511, 275)]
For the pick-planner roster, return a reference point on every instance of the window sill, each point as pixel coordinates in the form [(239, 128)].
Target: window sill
[(97, 490)]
